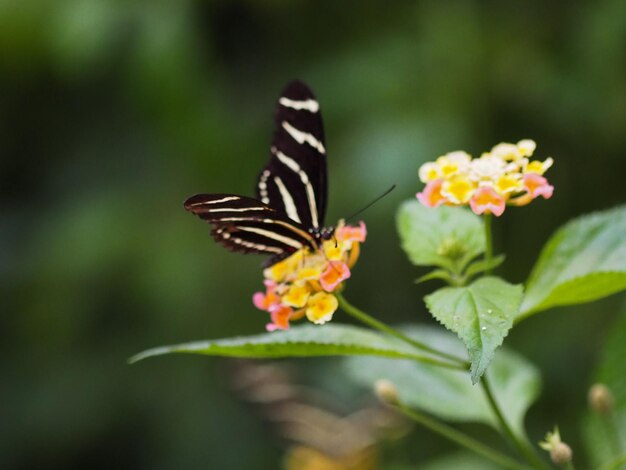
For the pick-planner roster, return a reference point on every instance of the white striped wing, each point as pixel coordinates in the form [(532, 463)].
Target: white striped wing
[(247, 225), (294, 181)]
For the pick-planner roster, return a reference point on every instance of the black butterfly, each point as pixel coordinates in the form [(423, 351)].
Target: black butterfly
[(288, 212)]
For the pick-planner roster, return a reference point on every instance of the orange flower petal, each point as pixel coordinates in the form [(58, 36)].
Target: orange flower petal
[(537, 185), (335, 273), (431, 196), (487, 200), (351, 233), (280, 318)]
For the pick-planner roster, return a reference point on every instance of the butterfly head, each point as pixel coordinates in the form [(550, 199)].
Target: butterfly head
[(326, 233), (322, 234)]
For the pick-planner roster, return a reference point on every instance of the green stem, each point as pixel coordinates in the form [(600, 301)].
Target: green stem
[(569, 466), (488, 242), (522, 445), (461, 439), (378, 325)]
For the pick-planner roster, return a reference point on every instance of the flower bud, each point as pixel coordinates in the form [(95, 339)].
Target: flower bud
[(561, 454), (452, 248), (600, 398), (386, 392)]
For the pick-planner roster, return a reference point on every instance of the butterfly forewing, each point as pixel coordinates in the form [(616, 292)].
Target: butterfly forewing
[(247, 225), (294, 181), (291, 190)]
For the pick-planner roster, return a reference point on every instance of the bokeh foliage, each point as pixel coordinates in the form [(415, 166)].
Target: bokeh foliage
[(113, 112)]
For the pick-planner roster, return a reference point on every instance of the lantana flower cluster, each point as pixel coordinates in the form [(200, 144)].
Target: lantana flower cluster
[(303, 284), (504, 176)]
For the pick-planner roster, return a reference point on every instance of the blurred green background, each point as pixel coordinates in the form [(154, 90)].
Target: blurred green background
[(113, 112)]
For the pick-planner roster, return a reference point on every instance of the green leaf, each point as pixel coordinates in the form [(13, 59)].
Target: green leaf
[(605, 435), (441, 274), (442, 236), (583, 261), (481, 314), (483, 265), (305, 340), (447, 393)]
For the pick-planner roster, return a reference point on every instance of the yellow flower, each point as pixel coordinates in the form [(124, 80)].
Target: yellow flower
[(278, 271), (334, 250), (506, 151), (301, 284), (503, 176), (526, 147), (453, 163), (539, 167), (458, 190), (429, 171), (296, 296), (509, 184), (308, 273), (321, 307)]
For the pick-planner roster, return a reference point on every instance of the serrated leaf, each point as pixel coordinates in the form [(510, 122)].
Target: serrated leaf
[(424, 231), (481, 314), (304, 340), (583, 261), (448, 394), (605, 436)]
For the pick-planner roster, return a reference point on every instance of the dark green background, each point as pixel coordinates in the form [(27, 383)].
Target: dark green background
[(113, 112)]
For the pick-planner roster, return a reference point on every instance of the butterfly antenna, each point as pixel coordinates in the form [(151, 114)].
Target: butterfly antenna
[(371, 203)]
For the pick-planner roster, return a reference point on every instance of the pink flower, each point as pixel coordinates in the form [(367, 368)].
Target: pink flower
[(335, 274), (300, 285), (537, 185), (431, 196), (268, 300), (487, 200), (353, 234), (280, 318)]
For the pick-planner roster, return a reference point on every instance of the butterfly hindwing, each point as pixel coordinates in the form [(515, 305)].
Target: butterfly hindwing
[(294, 181), (247, 225)]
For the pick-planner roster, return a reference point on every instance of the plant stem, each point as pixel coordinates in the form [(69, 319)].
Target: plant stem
[(378, 325), (488, 242), (461, 439), (569, 466), (522, 445)]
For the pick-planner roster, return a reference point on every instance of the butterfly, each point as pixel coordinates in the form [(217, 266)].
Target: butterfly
[(288, 211)]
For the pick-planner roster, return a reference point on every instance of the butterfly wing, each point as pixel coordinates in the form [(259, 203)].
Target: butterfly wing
[(246, 225), (294, 180)]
